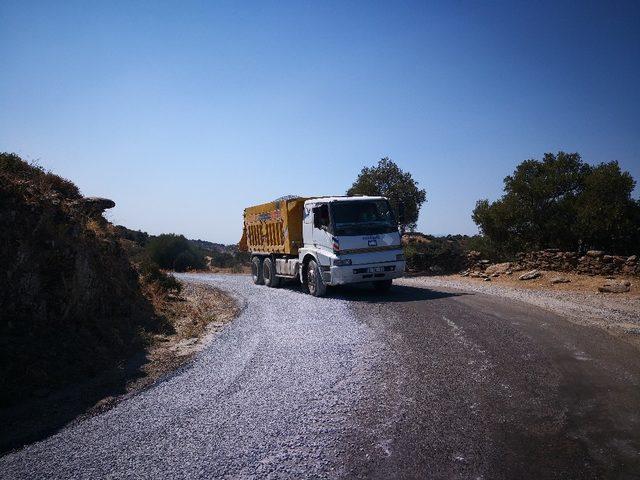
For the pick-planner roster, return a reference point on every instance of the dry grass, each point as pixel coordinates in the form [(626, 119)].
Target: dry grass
[(198, 312)]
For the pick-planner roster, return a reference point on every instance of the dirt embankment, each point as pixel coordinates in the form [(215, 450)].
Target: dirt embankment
[(79, 322)]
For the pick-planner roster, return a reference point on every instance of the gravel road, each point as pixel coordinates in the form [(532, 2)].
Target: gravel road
[(419, 383)]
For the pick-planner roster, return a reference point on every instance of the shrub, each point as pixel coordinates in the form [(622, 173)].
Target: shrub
[(166, 248), (184, 261), (12, 164), (222, 260), (151, 274), (436, 254)]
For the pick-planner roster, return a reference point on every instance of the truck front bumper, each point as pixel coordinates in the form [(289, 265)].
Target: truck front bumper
[(363, 273)]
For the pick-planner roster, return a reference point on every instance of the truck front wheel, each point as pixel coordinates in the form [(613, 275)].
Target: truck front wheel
[(315, 284), (269, 273), (256, 270)]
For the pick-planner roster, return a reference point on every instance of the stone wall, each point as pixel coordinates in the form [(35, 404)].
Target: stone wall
[(594, 262)]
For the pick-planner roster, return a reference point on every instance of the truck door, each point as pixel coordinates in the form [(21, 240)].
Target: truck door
[(321, 227)]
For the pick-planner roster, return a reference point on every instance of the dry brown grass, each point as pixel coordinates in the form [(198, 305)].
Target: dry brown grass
[(198, 312)]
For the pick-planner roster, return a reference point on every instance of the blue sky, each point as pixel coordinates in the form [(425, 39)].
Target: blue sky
[(186, 112)]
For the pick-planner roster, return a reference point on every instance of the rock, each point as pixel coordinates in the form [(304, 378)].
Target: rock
[(485, 262), (94, 205), (555, 280), (498, 268), (632, 259), (611, 286), (487, 279), (595, 253), (530, 275)]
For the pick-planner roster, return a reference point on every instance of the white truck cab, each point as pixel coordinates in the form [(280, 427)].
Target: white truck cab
[(349, 240)]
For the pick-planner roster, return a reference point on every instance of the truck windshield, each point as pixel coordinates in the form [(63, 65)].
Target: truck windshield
[(362, 217)]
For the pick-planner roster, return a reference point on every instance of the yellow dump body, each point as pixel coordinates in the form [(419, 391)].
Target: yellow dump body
[(274, 227)]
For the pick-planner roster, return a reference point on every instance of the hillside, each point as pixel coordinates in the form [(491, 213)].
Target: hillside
[(71, 304)]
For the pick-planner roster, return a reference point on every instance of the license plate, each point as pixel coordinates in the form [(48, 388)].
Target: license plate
[(378, 269)]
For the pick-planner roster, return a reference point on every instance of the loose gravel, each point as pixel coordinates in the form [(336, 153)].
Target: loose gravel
[(619, 317), (270, 397)]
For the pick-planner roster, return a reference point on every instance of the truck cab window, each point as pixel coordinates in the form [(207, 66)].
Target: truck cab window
[(321, 217)]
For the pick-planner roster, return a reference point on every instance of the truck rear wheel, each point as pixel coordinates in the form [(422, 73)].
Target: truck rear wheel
[(315, 284), (256, 270), (269, 273)]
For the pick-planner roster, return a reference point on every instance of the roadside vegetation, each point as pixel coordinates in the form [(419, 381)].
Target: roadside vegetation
[(562, 202), (559, 202)]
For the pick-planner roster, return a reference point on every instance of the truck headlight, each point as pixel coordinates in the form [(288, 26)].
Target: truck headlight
[(400, 257), (341, 263)]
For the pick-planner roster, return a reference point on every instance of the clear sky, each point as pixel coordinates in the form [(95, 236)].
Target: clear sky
[(186, 112)]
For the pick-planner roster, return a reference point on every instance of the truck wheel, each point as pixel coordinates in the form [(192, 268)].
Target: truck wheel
[(382, 285), (256, 271), (269, 273), (315, 284)]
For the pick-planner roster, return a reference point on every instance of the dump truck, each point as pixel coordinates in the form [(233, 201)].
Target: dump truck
[(323, 241)]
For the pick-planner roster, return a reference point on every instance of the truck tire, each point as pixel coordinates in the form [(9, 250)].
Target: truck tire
[(269, 273), (382, 285), (315, 283), (256, 270)]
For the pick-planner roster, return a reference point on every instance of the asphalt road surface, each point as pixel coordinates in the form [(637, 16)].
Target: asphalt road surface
[(413, 384)]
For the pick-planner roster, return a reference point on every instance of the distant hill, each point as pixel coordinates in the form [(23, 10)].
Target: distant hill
[(214, 247), (142, 238)]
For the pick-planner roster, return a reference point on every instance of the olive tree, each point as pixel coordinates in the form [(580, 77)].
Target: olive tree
[(388, 180)]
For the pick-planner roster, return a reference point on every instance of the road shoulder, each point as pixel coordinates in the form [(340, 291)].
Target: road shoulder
[(615, 314)]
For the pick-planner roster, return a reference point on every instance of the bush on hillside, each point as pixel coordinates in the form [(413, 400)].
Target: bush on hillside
[(170, 251), (34, 175), (427, 253), (151, 274)]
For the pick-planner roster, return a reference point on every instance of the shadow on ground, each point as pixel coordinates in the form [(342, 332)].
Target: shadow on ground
[(39, 418), (364, 292)]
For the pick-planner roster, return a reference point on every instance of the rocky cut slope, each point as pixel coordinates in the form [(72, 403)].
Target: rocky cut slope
[(71, 304)]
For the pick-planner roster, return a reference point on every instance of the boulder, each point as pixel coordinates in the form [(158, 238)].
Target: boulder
[(595, 253), (530, 275), (498, 268), (611, 286), (94, 205), (555, 280)]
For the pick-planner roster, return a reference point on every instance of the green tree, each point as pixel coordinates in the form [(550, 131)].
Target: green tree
[(388, 180), (166, 248), (607, 217), (562, 202)]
